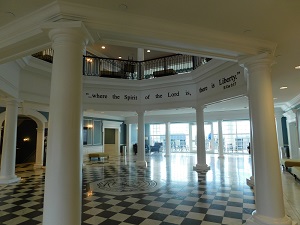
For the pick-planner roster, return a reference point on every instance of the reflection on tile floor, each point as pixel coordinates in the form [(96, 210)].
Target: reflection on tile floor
[(183, 196)]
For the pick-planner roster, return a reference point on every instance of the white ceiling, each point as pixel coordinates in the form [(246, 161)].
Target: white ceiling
[(219, 29)]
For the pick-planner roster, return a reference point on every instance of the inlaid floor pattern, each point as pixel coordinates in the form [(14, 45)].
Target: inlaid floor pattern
[(181, 196)]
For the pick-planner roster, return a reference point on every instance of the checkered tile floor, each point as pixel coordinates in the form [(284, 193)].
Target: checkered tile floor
[(219, 196)]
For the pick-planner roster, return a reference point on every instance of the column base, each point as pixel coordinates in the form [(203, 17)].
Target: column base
[(250, 182), (221, 157), (141, 163), (200, 168), (263, 220), (37, 166), (9, 180), (167, 155)]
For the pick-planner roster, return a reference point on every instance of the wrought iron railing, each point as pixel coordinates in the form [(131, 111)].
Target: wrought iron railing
[(128, 69), (136, 70), (46, 55)]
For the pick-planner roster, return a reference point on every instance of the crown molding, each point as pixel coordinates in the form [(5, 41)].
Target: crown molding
[(292, 104)]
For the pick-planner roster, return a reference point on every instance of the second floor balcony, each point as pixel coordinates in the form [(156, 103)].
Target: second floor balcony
[(133, 70)]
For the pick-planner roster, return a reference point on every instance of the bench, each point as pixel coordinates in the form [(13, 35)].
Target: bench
[(296, 172), (286, 163), (98, 155)]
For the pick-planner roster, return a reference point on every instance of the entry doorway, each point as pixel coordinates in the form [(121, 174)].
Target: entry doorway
[(111, 141), (111, 137)]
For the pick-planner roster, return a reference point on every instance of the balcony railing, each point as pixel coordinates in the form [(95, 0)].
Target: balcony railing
[(135, 70), (128, 69), (46, 55)]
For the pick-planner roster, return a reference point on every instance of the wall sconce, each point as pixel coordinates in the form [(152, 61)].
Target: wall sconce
[(89, 60), (26, 139), (90, 126)]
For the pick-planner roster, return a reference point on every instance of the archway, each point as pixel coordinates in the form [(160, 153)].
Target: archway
[(41, 123)]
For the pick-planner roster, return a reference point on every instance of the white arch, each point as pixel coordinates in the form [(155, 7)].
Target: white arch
[(41, 122)]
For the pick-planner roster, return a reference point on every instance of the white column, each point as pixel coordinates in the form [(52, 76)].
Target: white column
[(201, 153), (168, 140), (63, 182), (221, 142), (8, 159), (141, 140), (279, 132), (292, 134), (268, 184), (190, 137), (128, 139), (250, 182), (39, 155), (212, 141)]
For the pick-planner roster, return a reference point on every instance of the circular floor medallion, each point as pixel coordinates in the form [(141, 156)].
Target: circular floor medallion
[(125, 185)]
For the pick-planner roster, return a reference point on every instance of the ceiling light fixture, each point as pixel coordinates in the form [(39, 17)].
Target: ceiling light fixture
[(148, 50), (103, 47), (123, 6), (297, 67), (120, 57), (283, 87)]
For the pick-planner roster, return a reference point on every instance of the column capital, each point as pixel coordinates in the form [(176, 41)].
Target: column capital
[(140, 111), (257, 61), (278, 112), (62, 32), (290, 115), (12, 100), (200, 107)]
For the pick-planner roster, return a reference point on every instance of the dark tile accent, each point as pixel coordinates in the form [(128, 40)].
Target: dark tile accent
[(169, 205), (188, 221), (157, 216), (219, 207), (233, 215), (134, 220), (212, 218)]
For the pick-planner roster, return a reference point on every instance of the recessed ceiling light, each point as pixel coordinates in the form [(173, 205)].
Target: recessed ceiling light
[(283, 87), (120, 57), (297, 67), (148, 50), (123, 6), (103, 47)]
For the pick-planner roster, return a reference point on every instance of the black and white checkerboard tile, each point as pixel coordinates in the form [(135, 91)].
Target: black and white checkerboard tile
[(208, 198)]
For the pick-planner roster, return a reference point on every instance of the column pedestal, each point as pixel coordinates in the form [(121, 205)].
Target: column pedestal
[(260, 220), (250, 182), (201, 168)]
